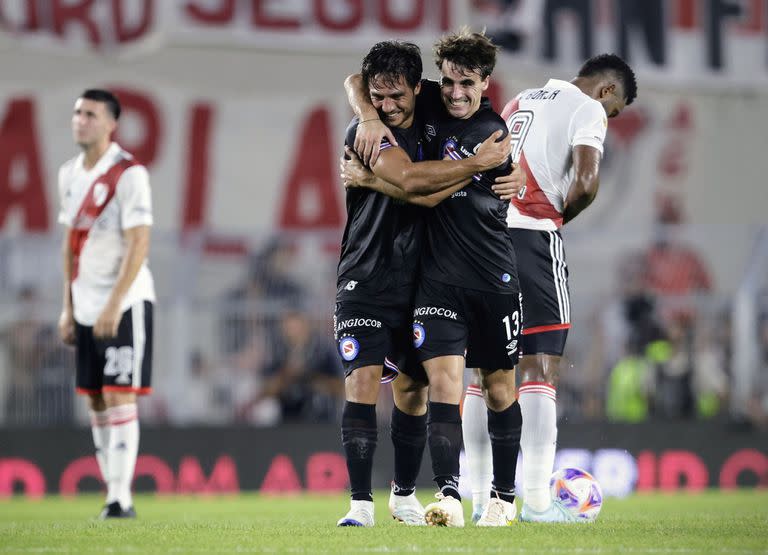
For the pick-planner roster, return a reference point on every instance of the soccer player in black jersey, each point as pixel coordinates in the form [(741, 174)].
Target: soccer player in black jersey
[(377, 276), (468, 303)]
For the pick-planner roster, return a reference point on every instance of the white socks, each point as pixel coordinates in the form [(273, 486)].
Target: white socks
[(477, 445), (121, 455), (100, 431), (538, 442)]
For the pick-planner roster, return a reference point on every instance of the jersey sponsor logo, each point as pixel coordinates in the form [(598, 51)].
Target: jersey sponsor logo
[(349, 348), (459, 194), (100, 191), (431, 130), (358, 323), (418, 334), (350, 285), (436, 311)]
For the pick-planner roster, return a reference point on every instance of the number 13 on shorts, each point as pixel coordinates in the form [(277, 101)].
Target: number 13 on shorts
[(512, 325)]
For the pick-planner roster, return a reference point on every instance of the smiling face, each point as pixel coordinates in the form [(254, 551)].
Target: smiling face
[(394, 99), (461, 89), (92, 123)]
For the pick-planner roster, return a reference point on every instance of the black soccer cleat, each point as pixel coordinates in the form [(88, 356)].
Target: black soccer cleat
[(114, 510)]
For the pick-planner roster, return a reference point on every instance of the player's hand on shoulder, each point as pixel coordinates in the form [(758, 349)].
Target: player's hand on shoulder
[(492, 152), (368, 139), (108, 321), (353, 172), (509, 186), (67, 327)]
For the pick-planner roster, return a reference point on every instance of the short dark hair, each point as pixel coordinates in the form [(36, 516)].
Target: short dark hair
[(391, 59), (105, 96), (611, 63), (471, 51)]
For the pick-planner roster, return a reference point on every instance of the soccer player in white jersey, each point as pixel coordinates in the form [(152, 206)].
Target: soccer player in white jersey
[(557, 132), (106, 210)]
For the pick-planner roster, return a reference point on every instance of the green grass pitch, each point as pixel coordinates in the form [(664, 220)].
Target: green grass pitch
[(711, 522)]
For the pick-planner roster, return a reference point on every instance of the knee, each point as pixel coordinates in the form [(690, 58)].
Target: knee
[(498, 395), (114, 399), (412, 401), (96, 402), (362, 386)]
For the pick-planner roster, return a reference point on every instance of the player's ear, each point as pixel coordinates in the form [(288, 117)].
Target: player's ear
[(485, 83), (607, 90), (417, 88)]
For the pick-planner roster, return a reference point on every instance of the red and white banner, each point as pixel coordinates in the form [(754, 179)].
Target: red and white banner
[(710, 42)]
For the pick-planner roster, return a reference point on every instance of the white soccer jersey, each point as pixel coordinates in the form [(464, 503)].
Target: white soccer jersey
[(98, 204), (545, 124)]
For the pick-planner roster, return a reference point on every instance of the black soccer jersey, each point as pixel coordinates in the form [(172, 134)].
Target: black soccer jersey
[(467, 244), (383, 237)]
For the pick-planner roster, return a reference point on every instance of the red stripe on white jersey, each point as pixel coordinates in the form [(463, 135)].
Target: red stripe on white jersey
[(534, 203), (93, 205)]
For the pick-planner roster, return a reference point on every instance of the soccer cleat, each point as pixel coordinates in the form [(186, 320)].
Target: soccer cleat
[(114, 510), (555, 513), (407, 509), (477, 511), (447, 511), (498, 513), (360, 514)]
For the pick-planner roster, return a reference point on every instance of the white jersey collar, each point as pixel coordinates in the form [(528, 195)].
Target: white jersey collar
[(108, 155), (560, 84)]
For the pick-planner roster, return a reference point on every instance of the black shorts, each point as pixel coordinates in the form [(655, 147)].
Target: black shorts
[(543, 275), (376, 331), (122, 363), (483, 327)]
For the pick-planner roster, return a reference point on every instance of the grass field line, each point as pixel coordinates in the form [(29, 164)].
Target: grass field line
[(382, 549)]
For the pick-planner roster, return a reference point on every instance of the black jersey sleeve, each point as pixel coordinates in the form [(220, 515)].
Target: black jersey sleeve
[(484, 127)]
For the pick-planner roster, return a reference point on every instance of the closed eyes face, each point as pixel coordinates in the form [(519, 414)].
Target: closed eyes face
[(461, 89), (394, 100)]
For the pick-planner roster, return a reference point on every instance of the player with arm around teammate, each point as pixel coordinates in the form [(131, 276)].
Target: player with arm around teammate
[(376, 282), (467, 304)]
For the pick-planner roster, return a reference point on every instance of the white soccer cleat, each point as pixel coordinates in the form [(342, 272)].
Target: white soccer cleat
[(360, 514), (555, 513), (498, 513), (447, 511), (407, 509)]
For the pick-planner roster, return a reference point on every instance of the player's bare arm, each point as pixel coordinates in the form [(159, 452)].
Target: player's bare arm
[(586, 181), (136, 251), (66, 319), (432, 176), (371, 129), (355, 174), (509, 186)]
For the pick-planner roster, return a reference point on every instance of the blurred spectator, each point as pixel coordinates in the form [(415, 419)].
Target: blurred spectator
[(673, 391), (758, 406), (40, 384), (671, 268), (207, 395), (304, 376), (711, 376), (251, 308), (628, 385)]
